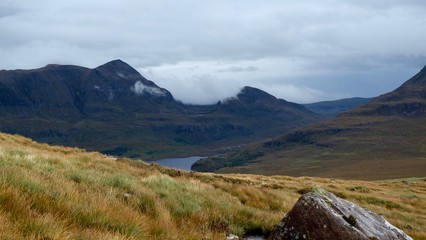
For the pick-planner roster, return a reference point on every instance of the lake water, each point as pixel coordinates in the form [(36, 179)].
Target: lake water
[(179, 163)]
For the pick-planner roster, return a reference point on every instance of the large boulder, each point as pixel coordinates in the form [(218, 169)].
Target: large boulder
[(319, 214)]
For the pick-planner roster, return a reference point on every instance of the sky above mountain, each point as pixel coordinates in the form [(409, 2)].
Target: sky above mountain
[(204, 51)]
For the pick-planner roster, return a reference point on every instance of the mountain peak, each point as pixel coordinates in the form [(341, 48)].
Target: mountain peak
[(252, 94), (118, 67), (117, 62), (52, 65)]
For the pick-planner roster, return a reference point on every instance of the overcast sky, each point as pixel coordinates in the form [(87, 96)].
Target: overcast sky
[(204, 51)]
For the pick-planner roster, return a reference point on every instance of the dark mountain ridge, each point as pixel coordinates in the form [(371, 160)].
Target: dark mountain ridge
[(72, 92), (336, 107), (385, 138), (112, 108)]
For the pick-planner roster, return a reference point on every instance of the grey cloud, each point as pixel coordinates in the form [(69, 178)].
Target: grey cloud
[(307, 44), (7, 11), (140, 89), (239, 69)]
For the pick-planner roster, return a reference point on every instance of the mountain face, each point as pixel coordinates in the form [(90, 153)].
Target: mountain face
[(114, 109), (334, 108), (72, 93), (381, 139)]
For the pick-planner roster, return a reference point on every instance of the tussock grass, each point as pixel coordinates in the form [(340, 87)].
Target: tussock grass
[(66, 193)]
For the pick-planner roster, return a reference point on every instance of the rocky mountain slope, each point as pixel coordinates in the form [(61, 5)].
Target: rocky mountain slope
[(385, 138), (113, 109), (51, 192)]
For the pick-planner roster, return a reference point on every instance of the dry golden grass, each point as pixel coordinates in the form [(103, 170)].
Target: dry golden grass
[(66, 193)]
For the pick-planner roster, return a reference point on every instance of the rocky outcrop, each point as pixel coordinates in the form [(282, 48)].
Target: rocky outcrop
[(321, 215)]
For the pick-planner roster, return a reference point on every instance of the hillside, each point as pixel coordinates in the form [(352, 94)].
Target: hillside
[(115, 110), (382, 139), (334, 108), (49, 192)]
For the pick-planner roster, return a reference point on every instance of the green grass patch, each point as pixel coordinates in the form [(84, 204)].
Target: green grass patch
[(121, 181), (378, 202)]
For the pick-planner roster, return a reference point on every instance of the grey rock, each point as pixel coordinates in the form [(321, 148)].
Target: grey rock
[(232, 237), (319, 214)]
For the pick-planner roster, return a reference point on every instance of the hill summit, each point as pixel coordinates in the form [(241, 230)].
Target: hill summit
[(251, 94)]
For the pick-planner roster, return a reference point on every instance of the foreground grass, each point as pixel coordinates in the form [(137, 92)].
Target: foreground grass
[(64, 193)]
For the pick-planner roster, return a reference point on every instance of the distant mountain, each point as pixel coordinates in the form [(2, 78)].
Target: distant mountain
[(334, 108), (408, 101), (385, 138), (114, 109)]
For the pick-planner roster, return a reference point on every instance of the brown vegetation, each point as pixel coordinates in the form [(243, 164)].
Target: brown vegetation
[(66, 193)]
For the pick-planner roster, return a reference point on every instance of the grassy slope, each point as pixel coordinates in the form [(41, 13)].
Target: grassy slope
[(347, 147), (64, 193)]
